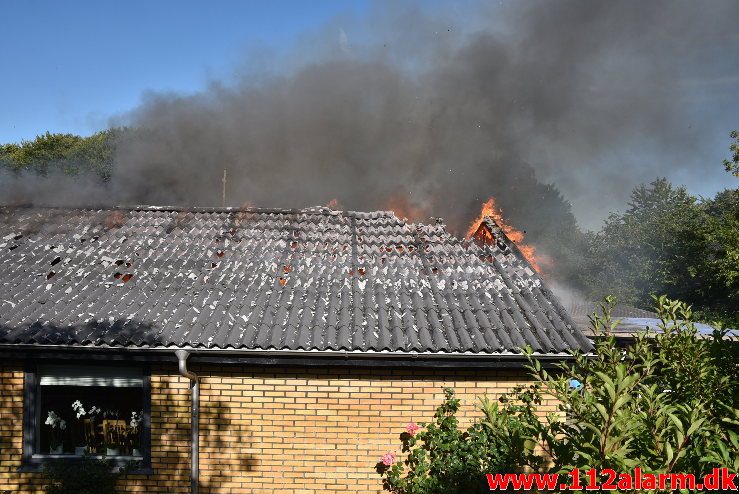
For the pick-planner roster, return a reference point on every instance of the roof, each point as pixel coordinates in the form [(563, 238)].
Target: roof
[(632, 320), (263, 279), (580, 311)]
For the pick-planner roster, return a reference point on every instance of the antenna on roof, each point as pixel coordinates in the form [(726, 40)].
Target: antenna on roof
[(223, 198)]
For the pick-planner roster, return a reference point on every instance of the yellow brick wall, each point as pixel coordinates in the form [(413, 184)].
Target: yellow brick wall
[(302, 430), (11, 431)]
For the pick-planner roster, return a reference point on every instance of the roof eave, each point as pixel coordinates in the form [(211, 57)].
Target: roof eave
[(275, 353)]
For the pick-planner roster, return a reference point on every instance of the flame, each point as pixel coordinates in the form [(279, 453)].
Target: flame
[(404, 209), (334, 204), (491, 209)]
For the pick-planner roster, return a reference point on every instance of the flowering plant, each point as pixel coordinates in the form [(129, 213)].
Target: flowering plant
[(388, 459), (89, 430), (79, 408), (57, 425), (412, 429), (134, 429), (440, 457), (136, 419)]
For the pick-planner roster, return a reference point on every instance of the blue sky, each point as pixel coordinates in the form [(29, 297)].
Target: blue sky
[(69, 66)]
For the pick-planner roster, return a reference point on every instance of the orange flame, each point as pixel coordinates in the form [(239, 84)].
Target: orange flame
[(334, 204), (491, 209), (403, 208)]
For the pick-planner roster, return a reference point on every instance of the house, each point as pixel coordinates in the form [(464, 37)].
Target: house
[(251, 350)]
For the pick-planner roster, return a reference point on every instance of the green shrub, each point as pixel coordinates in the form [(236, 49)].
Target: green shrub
[(441, 457), (88, 476), (666, 404)]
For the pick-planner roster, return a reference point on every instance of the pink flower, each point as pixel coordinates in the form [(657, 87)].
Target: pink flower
[(388, 459), (412, 428)]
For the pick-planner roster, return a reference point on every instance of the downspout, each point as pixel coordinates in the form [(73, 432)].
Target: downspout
[(195, 412)]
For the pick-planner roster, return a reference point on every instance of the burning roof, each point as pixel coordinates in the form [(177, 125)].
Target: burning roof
[(269, 279)]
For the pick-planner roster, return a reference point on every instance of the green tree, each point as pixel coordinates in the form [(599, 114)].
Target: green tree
[(670, 242), (647, 249), (66, 153), (732, 164), (716, 297)]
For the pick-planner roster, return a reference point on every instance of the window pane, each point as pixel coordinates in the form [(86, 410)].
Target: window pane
[(86, 417)]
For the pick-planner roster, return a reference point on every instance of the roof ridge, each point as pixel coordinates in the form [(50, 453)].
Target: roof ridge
[(314, 210), (199, 209)]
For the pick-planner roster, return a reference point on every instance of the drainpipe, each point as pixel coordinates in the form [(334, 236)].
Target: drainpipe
[(195, 405)]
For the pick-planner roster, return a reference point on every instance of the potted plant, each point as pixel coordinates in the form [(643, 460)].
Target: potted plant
[(113, 431), (57, 425), (134, 431), (87, 427)]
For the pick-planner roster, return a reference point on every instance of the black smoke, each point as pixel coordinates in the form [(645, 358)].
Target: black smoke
[(438, 111)]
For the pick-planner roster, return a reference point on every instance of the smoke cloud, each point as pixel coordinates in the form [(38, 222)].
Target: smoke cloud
[(429, 115)]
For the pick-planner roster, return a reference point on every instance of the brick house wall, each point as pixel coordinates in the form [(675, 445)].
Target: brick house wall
[(317, 430)]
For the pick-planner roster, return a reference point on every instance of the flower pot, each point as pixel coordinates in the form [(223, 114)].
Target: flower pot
[(56, 451), (80, 450), (136, 452), (112, 452)]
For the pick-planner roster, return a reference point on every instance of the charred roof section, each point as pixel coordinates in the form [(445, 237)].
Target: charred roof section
[(266, 279)]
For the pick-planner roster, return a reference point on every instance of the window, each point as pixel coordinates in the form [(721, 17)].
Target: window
[(74, 409)]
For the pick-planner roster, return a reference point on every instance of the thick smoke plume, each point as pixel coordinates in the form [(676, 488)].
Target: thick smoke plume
[(420, 113)]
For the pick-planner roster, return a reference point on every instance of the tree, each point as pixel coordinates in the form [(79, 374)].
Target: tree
[(670, 242), (646, 249), (66, 153), (732, 164), (717, 296)]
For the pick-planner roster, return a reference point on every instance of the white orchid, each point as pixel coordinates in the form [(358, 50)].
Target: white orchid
[(57, 425), (77, 406), (54, 420), (136, 419)]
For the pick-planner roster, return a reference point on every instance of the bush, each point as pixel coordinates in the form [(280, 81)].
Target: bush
[(667, 404), (442, 458), (88, 476)]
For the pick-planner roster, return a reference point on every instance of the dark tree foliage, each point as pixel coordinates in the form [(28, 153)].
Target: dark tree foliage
[(88, 476), (732, 164), (669, 242), (551, 226), (66, 153)]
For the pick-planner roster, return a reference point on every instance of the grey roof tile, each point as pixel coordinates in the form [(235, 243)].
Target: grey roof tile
[(312, 279)]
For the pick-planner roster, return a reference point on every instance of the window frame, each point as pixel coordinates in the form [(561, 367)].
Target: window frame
[(33, 461)]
